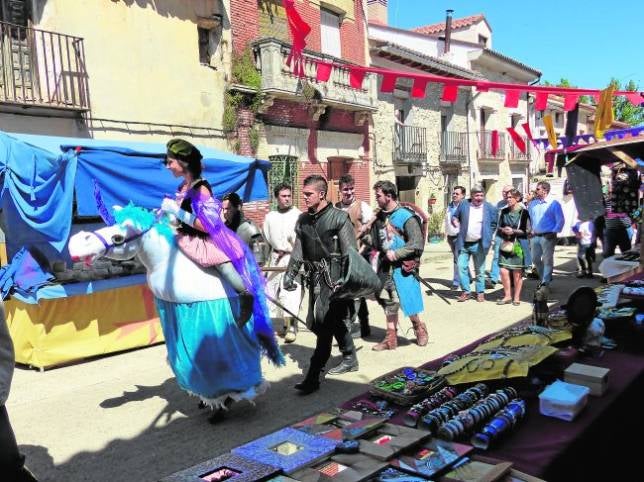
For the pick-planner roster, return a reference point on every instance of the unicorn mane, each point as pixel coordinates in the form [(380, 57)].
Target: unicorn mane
[(144, 219)]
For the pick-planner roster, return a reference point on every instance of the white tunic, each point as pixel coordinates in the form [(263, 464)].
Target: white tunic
[(279, 232)]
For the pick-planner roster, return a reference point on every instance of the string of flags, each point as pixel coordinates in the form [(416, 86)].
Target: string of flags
[(299, 30)]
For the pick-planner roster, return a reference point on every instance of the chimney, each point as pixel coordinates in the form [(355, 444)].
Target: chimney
[(448, 29), (377, 12)]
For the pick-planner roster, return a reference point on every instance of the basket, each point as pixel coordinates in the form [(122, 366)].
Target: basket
[(407, 386)]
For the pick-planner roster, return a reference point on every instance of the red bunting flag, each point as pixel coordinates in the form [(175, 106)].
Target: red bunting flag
[(298, 29), (635, 98), (570, 102), (512, 98), (541, 101), (597, 97), (388, 83), (494, 141), (450, 93), (528, 131), (418, 89), (324, 71), (517, 139), (356, 76)]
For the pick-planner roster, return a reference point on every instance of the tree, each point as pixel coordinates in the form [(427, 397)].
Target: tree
[(624, 110), (563, 82)]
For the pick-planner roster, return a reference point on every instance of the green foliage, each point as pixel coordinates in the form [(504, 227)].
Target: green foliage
[(244, 71), (624, 110), (435, 224), (232, 102), (253, 136)]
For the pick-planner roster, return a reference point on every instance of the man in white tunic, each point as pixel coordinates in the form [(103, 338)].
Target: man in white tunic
[(279, 232)]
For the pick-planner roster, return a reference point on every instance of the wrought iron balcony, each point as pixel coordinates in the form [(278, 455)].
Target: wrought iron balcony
[(453, 147), (515, 153), (278, 79), (41, 68), (485, 146), (410, 144)]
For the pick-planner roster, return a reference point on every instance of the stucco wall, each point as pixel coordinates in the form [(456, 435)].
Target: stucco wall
[(471, 33), (143, 61)]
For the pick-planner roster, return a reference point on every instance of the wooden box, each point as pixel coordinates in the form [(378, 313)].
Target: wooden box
[(595, 378)]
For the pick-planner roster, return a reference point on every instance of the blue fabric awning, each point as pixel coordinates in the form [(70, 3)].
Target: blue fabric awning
[(42, 173)]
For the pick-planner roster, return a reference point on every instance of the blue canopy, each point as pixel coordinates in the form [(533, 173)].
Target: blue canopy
[(42, 174)]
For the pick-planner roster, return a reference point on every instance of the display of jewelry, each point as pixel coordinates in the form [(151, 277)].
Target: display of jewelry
[(494, 364), (407, 386), (503, 421), (414, 414), (526, 335), (466, 421), (438, 416)]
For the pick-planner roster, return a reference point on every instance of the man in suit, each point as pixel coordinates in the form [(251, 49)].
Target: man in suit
[(476, 219)]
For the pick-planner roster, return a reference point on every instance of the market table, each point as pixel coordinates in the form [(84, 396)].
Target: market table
[(593, 444)]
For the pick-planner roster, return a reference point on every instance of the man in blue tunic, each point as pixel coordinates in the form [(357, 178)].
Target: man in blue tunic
[(397, 244)]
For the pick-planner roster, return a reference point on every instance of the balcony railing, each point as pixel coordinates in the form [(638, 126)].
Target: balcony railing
[(41, 68), (410, 144), (515, 152), (453, 147), (278, 78), (485, 146)]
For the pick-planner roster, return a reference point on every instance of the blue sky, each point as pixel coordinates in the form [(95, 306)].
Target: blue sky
[(585, 41)]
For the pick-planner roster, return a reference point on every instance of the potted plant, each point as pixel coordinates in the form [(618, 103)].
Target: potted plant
[(435, 227)]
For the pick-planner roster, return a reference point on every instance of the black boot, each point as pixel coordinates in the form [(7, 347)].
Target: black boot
[(311, 382), (349, 363)]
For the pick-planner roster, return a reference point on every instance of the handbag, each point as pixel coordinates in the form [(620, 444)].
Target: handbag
[(507, 245)]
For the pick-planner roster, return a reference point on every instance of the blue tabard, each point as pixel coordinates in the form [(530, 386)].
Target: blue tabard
[(407, 286)]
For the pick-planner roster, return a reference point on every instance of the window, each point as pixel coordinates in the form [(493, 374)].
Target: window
[(483, 40), (557, 117), (283, 169), (483, 119), (330, 33), (444, 122), (208, 34)]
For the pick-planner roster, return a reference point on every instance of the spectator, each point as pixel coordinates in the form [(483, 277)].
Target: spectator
[(476, 220), (547, 220)]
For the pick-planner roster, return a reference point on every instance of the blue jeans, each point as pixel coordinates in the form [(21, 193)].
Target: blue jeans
[(543, 252), (494, 269), (451, 240), (477, 252)]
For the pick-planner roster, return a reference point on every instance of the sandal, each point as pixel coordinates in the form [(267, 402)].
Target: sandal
[(516, 303), (504, 302)]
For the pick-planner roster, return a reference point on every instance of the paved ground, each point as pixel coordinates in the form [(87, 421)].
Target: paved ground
[(123, 418)]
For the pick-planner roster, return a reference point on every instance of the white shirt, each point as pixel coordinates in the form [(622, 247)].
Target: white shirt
[(279, 232), (475, 225)]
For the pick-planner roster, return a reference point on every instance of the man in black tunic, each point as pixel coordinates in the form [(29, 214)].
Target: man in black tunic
[(320, 231)]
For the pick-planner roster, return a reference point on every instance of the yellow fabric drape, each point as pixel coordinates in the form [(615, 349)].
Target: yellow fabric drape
[(550, 130), (604, 116), (68, 329)]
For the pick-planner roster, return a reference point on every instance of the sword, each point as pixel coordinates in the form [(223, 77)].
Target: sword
[(286, 310), (431, 290)]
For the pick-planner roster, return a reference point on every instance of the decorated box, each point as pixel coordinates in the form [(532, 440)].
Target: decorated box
[(341, 468), (289, 449), (389, 440), (431, 458), (228, 467), (340, 425)]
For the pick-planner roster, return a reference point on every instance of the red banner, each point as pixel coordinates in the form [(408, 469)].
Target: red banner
[(494, 142), (324, 71), (512, 98), (298, 30), (570, 102), (520, 143), (356, 76), (450, 93), (541, 101), (388, 83), (418, 89)]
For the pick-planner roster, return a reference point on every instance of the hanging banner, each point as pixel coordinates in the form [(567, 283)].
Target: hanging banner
[(388, 83), (494, 142), (520, 143), (324, 71), (550, 129), (450, 93), (512, 98)]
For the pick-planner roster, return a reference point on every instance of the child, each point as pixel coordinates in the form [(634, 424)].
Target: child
[(585, 234)]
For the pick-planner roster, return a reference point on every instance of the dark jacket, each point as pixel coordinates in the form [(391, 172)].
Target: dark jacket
[(488, 229)]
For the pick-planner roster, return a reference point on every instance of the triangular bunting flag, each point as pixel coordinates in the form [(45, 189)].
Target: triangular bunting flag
[(520, 143), (388, 83), (418, 89), (324, 71), (541, 101), (570, 101), (512, 98), (356, 76), (450, 93), (635, 98)]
